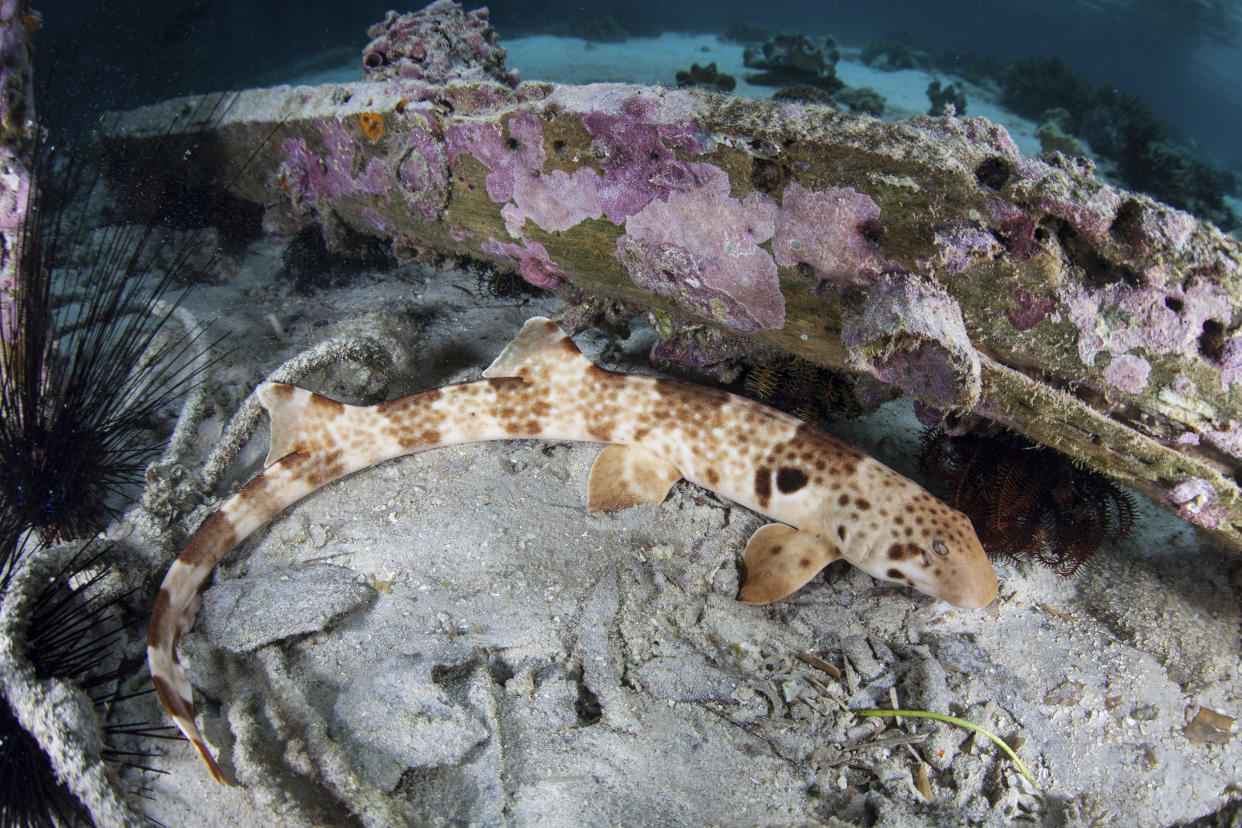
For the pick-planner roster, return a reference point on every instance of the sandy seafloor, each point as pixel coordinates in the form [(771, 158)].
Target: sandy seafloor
[(451, 639)]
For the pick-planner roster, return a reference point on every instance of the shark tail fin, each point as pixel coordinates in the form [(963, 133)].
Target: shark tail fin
[(538, 350), (298, 418)]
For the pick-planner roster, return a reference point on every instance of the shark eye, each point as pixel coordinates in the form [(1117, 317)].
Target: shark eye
[(939, 548)]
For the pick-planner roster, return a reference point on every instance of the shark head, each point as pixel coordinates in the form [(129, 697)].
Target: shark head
[(930, 547)]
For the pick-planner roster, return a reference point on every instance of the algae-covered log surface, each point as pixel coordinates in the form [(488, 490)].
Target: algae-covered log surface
[(929, 254)]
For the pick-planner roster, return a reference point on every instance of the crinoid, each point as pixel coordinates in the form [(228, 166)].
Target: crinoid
[(807, 391), (495, 283), (1027, 501)]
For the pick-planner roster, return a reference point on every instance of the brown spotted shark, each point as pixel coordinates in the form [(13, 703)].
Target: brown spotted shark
[(830, 500)]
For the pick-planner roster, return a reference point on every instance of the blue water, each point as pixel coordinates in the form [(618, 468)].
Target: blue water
[(1182, 57)]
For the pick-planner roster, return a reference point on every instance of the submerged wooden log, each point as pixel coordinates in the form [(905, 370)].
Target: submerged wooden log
[(928, 254)]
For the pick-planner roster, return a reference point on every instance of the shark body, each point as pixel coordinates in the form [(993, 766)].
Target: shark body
[(830, 500)]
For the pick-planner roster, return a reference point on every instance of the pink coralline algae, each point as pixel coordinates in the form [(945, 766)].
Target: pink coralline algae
[(441, 43), (484, 142), (908, 333), (637, 135), (421, 166), (1026, 311), (416, 169), (960, 243), (14, 199), (378, 222), (1091, 217), (1195, 501), (1158, 320), (312, 177), (1227, 439), (1152, 227), (555, 200), (1128, 373), (1086, 204), (637, 161), (700, 248), (831, 231), (1230, 363), (534, 263), (1017, 228)]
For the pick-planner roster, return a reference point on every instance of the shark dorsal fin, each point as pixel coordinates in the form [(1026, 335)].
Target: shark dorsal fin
[(297, 416), (538, 348)]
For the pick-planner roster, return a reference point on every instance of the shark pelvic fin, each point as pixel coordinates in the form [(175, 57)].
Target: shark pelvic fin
[(779, 559), (625, 476)]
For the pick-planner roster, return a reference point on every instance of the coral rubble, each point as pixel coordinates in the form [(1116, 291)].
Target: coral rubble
[(790, 59), (944, 96), (862, 99), (438, 44), (892, 55), (1122, 127), (708, 76)]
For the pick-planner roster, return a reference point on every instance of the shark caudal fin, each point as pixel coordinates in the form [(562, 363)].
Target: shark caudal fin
[(298, 418), (539, 349)]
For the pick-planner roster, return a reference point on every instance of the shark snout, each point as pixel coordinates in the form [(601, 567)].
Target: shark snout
[(975, 588)]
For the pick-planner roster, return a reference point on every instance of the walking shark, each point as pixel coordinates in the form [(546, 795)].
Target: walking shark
[(828, 499)]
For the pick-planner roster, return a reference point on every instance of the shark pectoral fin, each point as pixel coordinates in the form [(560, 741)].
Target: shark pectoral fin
[(625, 476), (779, 559)]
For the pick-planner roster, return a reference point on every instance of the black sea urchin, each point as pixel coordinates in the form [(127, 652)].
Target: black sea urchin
[(90, 359), (74, 625)]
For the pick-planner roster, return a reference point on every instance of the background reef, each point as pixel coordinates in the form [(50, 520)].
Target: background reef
[(1182, 58)]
